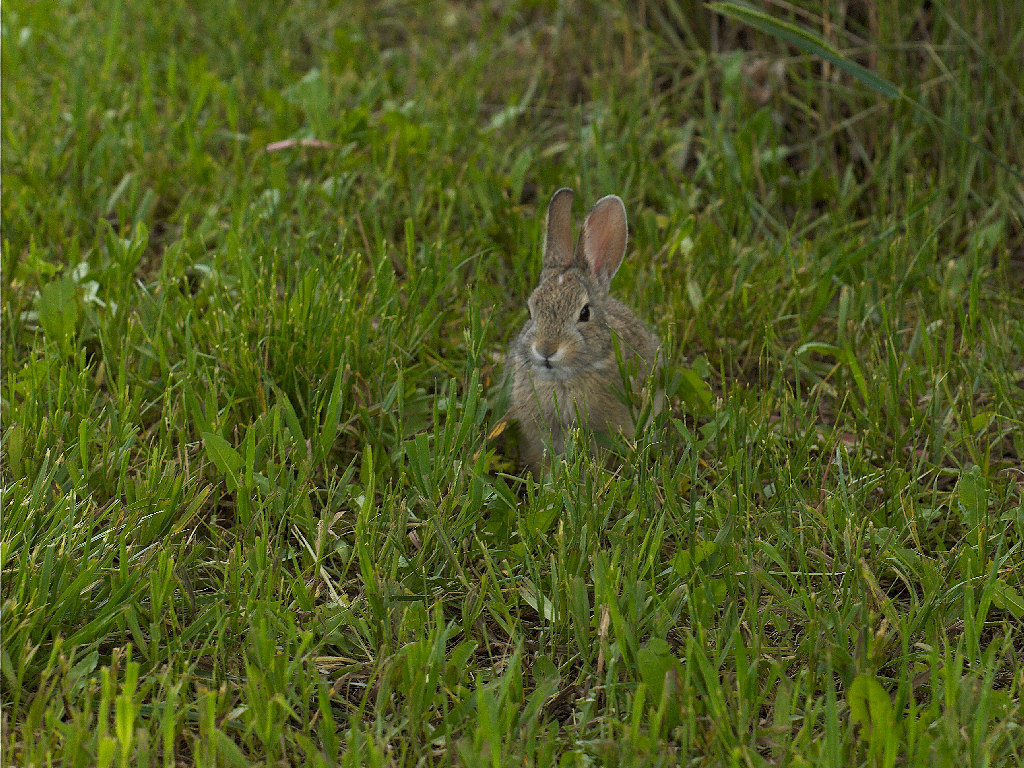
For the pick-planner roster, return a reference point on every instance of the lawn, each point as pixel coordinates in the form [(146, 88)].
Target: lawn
[(261, 264)]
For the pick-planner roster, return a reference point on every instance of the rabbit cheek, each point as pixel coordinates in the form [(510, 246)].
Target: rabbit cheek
[(591, 340)]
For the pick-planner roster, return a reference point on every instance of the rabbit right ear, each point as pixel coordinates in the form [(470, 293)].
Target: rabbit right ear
[(558, 240), (603, 237)]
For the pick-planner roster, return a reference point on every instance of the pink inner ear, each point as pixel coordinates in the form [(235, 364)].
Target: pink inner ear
[(604, 237)]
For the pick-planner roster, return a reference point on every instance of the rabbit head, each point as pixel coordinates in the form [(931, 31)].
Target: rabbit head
[(569, 328)]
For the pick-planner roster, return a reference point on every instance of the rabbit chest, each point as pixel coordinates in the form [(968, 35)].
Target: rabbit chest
[(583, 399)]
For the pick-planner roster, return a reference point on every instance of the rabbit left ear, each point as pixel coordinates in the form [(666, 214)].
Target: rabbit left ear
[(602, 243), (558, 238)]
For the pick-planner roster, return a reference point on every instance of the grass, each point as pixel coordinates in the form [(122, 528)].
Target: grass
[(251, 513)]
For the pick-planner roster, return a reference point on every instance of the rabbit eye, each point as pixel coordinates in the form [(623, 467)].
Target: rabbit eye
[(585, 313)]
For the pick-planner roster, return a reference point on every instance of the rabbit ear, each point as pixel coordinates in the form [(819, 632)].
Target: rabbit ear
[(603, 239), (558, 240)]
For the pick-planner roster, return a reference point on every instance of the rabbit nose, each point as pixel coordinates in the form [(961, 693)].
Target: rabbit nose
[(547, 353)]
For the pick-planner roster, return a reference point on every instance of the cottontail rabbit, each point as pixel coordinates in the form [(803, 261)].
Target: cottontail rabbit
[(563, 364)]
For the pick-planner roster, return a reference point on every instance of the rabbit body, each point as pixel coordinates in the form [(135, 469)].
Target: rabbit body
[(563, 363)]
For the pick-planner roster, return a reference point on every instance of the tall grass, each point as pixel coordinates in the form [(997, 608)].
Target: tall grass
[(251, 513)]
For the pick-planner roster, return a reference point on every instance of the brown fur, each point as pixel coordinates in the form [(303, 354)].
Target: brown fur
[(580, 383)]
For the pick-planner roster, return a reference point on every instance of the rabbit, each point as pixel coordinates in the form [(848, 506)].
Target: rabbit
[(563, 366)]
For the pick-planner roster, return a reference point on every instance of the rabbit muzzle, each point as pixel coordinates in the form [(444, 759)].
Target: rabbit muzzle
[(547, 354)]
